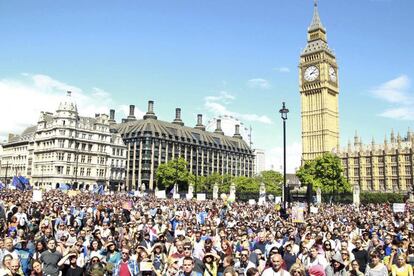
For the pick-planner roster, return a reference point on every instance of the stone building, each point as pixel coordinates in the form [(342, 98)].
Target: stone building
[(319, 92), (17, 155), (65, 148), (385, 167), (151, 142)]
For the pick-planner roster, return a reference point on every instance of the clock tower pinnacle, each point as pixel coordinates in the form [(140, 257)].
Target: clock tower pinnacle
[(319, 90)]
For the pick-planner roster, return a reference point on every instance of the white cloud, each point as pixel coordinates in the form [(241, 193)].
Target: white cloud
[(282, 69), (274, 157), (217, 105), (397, 93), (258, 83), (24, 97)]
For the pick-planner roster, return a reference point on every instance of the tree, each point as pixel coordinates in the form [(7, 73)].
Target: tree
[(246, 184), (175, 171), (326, 173), (272, 180)]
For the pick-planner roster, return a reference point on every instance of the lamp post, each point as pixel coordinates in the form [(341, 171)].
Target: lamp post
[(283, 114)]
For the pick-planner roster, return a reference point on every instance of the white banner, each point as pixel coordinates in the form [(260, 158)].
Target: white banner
[(160, 194), (201, 196), (313, 210), (398, 207), (37, 195)]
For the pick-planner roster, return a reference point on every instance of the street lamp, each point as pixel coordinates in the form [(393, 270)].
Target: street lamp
[(283, 114)]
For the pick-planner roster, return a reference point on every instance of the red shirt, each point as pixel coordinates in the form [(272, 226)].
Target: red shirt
[(123, 270)]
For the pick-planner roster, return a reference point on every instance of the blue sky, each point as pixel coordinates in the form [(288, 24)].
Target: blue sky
[(212, 57)]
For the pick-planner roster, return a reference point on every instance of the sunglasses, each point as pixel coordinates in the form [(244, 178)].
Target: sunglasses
[(125, 253), (95, 261), (187, 248)]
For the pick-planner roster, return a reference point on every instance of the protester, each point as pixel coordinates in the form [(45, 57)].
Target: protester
[(74, 233)]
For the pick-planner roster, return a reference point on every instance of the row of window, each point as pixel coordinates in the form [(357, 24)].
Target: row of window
[(380, 159)]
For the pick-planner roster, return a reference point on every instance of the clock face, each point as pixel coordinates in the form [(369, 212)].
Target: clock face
[(311, 73), (332, 74)]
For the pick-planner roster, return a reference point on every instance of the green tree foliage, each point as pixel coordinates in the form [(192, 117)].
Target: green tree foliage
[(272, 180), (246, 184), (175, 171), (326, 173)]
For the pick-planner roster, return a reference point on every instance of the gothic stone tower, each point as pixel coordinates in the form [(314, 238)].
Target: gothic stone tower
[(319, 90)]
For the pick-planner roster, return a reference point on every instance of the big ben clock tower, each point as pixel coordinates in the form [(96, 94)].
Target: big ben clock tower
[(319, 90)]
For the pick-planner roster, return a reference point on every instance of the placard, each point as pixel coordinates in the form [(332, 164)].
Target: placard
[(398, 207), (278, 199), (297, 214), (189, 196), (201, 196), (160, 194), (176, 196), (252, 202), (313, 210), (37, 195)]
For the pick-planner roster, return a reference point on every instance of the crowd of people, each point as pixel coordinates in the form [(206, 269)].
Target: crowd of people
[(119, 234)]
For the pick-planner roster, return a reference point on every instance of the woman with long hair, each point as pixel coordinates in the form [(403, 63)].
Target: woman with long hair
[(37, 269), (401, 268)]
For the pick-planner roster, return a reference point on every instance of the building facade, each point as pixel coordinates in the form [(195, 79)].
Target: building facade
[(17, 155), (65, 148), (319, 91), (386, 167), (259, 161), (151, 142)]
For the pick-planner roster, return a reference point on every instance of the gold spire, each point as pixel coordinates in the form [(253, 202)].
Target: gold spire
[(316, 20)]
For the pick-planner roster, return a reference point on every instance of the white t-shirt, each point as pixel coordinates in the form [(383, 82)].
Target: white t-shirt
[(270, 272)]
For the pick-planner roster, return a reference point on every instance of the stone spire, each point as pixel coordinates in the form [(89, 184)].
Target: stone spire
[(385, 141), (392, 136), (356, 139), (316, 20), (399, 140), (349, 146), (373, 143)]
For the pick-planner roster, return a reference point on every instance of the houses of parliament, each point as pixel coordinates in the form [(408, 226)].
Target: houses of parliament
[(374, 167)]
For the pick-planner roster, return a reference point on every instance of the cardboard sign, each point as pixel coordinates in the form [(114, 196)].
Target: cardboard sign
[(37, 195), (398, 207), (201, 196), (160, 194), (297, 214), (189, 196), (314, 210)]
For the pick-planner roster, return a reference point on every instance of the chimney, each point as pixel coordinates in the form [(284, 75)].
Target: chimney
[(112, 116), (177, 119), (150, 113), (237, 132), (131, 116), (218, 128), (199, 124)]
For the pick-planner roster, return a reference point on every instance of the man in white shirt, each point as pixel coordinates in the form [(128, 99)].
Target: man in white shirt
[(276, 268), (315, 258)]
